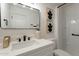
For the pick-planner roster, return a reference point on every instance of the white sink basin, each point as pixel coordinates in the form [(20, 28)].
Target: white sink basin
[(19, 45)]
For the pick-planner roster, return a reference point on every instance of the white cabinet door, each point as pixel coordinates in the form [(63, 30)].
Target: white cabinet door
[(42, 51)]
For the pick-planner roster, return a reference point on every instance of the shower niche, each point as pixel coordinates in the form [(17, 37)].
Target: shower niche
[(19, 16)]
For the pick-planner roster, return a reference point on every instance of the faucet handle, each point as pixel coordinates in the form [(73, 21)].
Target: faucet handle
[(19, 39), (29, 38)]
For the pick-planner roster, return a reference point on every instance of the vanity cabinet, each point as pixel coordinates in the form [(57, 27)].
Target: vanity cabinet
[(35, 47), (42, 51)]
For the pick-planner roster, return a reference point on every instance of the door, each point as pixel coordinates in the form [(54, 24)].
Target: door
[(72, 27)]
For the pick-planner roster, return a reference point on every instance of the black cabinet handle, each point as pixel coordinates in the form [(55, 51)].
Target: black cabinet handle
[(75, 34)]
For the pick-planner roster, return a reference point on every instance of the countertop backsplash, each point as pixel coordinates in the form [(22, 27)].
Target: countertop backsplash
[(15, 33)]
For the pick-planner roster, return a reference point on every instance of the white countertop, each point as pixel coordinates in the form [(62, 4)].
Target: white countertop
[(39, 43)]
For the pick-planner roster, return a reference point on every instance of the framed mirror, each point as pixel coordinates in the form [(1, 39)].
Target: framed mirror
[(19, 16)]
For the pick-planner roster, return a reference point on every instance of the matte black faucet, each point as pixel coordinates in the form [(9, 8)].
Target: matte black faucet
[(24, 38)]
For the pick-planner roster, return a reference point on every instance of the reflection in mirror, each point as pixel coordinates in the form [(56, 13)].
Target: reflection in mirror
[(17, 15)]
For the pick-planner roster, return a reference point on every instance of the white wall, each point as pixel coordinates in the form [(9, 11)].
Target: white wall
[(14, 33)]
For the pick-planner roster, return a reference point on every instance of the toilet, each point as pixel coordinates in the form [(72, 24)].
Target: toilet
[(59, 52)]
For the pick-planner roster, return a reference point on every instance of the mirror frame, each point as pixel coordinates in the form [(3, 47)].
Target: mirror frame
[(22, 28)]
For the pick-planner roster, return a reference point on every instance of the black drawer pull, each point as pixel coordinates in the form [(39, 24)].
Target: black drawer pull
[(75, 34)]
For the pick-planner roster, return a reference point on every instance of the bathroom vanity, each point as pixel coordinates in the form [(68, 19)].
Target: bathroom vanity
[(19, 16), (35, 47)]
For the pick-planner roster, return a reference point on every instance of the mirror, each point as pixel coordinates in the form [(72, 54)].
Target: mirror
[(19, 16)]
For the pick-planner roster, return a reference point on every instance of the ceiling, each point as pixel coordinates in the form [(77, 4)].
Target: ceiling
[(51, 5)]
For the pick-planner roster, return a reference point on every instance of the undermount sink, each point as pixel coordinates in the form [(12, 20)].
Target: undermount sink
[(19, 45)]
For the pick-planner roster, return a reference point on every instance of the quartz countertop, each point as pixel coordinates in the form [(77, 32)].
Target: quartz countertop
[(39, 43)]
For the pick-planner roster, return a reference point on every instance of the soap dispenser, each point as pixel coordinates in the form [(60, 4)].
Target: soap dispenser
[(6, 41)]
